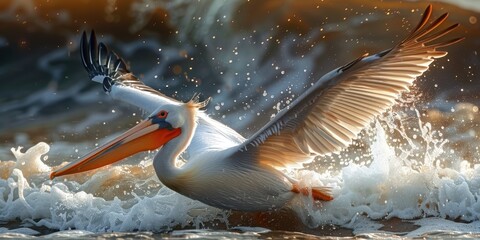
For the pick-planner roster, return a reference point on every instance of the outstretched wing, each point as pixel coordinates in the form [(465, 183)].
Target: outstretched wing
[(327, 117), (107, 68)]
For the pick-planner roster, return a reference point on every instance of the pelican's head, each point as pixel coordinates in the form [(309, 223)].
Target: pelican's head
[(163, 125), (160, 127), (173, 114)]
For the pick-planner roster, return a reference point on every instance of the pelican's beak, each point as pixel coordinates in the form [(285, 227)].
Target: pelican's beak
[(149, 134)]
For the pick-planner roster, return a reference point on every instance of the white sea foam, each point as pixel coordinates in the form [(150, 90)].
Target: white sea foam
[(29, 163), (398, 182), (391, 186), (17, 233), (60, 205)]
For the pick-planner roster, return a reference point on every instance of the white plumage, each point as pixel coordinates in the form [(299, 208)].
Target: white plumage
[(226, 170)]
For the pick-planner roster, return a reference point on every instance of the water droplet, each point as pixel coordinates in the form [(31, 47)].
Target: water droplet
[(472, 20)]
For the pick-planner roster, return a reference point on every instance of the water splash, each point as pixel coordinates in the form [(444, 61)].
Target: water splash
[(72, 204), (405, 179)]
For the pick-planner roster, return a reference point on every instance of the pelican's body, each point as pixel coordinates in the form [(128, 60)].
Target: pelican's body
[(234, 186), (216, 175), (225, 170)]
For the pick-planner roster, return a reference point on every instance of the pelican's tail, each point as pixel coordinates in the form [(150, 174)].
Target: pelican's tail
[(322, 194), (318, 193), (102, 65)]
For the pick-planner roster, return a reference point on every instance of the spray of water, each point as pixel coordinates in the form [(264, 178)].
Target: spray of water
[(411, 175)]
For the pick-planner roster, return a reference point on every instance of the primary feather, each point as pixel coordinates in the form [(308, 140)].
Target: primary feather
[(329, 115)]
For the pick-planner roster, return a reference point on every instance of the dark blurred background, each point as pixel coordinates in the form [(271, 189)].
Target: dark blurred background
[(252, 57)]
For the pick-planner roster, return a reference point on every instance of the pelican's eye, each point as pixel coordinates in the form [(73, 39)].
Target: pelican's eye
[(162, 114)]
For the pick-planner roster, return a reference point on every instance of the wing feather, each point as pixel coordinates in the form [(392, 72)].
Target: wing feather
[(328, 116), (107, 68)]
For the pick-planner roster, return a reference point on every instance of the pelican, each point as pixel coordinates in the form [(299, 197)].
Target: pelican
[(228, 171)]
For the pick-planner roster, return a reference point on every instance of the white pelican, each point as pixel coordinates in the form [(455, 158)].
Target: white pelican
[(228, 171)]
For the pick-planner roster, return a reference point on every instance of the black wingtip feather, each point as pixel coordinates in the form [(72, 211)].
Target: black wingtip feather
[(102, 56), (120, 66), (83, 49), (109, 62), (93, 49), (107, 84), (99, 61)]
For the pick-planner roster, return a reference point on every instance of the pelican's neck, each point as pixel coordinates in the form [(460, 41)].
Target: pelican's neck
[(165, 160)]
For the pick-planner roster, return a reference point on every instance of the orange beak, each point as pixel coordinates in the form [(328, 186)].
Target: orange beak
[(149, 134)]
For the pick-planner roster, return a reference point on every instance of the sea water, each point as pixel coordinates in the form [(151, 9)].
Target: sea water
[(413, 172), (394, 185)]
